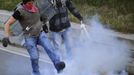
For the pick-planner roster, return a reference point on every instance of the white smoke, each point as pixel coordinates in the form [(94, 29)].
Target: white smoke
[(98, 54)]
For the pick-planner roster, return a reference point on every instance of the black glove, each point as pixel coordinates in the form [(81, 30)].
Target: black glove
[(5, 41), (45, 28)]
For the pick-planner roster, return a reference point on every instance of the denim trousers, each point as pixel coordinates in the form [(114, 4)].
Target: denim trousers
[(62, 37), (31, 46)]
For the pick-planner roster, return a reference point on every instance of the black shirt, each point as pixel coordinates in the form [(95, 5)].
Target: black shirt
[(17, 15)]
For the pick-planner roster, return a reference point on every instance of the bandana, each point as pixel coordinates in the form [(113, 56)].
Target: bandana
[(30, 7)]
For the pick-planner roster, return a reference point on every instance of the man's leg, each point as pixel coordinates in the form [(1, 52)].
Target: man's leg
[(57, 40), (65, 36), (45, 43), (31, 46)]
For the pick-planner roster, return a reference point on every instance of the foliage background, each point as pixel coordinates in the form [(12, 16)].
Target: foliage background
[(117, 14)]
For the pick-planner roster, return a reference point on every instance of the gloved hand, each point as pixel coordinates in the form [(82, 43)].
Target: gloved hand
[(82, 25), (45, 28), (5, 41)]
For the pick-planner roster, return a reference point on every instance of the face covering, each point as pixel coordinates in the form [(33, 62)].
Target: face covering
[(30, 7)]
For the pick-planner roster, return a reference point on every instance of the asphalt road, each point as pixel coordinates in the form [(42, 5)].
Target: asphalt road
[(12, 64)]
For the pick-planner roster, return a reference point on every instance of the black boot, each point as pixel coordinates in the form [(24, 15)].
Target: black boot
[(60, 66)]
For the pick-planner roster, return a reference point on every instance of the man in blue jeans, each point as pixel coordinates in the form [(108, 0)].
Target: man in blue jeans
[(28, 16), (60, 24)]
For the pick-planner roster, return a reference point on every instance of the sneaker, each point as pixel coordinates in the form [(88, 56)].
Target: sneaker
[(60, 66)]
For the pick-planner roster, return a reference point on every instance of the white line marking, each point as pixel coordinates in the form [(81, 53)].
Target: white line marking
[(25, 55)]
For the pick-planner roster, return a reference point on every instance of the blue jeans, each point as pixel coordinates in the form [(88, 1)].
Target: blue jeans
[(31, 46), (62, 37)]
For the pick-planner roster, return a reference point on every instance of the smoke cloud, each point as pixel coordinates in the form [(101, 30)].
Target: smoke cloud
[(99, 53)]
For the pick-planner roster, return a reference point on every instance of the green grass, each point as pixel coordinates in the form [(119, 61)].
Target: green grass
[(116, 20), (117, 14), (8, 4)]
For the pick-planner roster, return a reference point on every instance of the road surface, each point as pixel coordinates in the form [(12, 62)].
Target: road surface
[(19, 64)]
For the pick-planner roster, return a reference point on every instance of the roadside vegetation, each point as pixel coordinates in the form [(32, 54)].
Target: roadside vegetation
[(117, 14)]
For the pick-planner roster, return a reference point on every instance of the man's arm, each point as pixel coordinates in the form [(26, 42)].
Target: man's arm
[(7, 25), (73, 10), (16, 16)]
